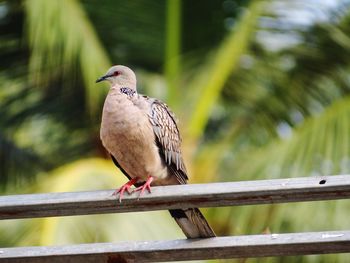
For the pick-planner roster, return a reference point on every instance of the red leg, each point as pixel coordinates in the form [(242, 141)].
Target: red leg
[(126, 187), (146, 185)]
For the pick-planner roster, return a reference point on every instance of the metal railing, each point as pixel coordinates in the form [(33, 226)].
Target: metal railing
[(182, 196)]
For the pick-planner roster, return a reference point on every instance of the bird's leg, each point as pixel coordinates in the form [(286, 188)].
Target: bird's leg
[(124, 187), (146, 185)]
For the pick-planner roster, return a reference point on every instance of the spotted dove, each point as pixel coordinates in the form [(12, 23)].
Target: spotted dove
[(142, 137)]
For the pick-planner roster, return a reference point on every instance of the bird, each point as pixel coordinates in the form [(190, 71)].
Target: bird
[(142, 137)]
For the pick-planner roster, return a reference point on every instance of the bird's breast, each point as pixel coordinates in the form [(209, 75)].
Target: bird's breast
[(128, 135)]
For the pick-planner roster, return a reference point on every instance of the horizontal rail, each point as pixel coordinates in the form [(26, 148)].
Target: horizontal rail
[(177, 196), (175, 250)]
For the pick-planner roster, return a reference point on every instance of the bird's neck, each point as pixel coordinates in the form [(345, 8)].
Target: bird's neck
[(128, 89)]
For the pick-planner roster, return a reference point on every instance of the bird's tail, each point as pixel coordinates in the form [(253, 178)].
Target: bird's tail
[(192, 222)]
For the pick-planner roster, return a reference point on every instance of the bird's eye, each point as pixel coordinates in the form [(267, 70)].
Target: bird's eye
[(116, 73)]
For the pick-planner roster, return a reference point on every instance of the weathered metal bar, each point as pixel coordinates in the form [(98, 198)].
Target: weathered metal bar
[(175, 250), (177, 196)]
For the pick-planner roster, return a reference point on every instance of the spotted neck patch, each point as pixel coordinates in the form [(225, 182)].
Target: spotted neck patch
[(127, 91)]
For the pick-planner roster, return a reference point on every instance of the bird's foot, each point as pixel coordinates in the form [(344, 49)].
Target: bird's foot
[(146, 185), (125, 187)]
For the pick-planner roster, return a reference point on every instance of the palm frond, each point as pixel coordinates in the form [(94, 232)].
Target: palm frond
[(172, 52), (318, 147), (214, 74), (63, 42), (18, 163)]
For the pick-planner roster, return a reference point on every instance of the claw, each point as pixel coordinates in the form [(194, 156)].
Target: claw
[(146, 185), (125, 187)]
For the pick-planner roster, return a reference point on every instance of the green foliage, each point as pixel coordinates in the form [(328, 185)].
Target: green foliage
[(172, 54), (313, 158), (211, 79), (68, 44)]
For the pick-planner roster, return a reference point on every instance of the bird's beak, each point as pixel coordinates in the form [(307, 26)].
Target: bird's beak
[(102, 78)]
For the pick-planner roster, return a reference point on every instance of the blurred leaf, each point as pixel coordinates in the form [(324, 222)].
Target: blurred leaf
[(212, 77), (319, 147), (18, 163), (63, 41), (172, 51)]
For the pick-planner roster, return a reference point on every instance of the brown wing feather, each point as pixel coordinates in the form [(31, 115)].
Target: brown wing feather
[(168, 138)]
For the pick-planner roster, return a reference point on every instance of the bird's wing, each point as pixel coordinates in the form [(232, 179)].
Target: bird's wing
[(168, 138)]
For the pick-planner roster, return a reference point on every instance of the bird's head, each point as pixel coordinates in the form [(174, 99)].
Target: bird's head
[(119, 75)]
